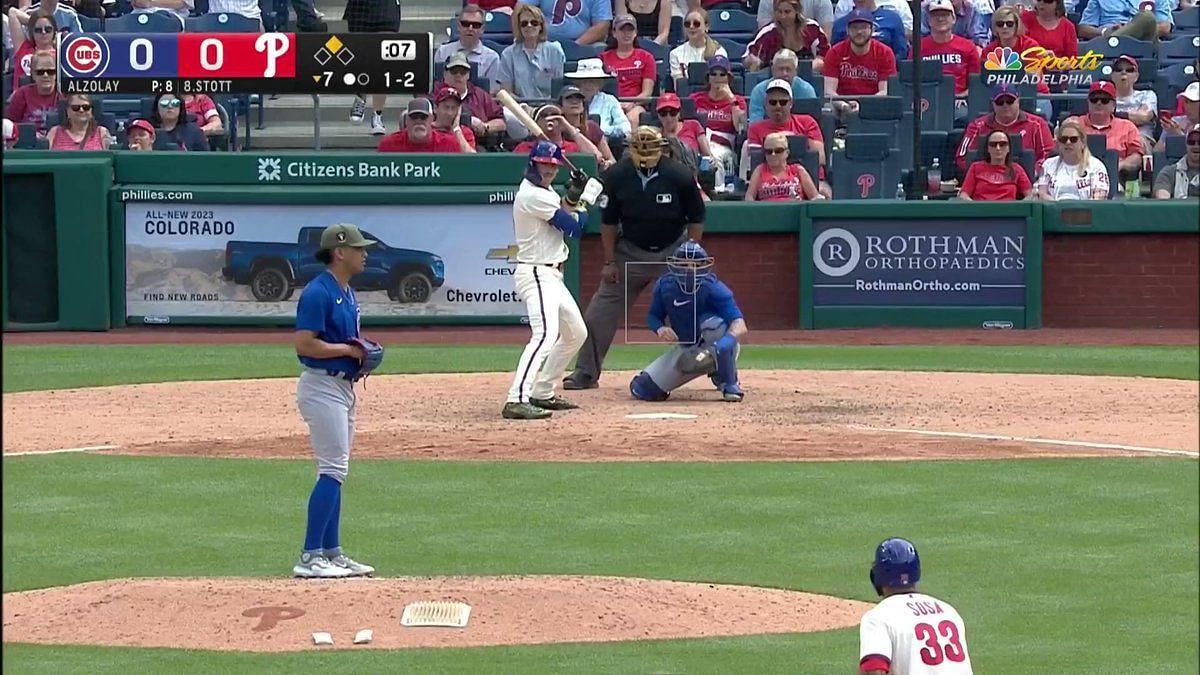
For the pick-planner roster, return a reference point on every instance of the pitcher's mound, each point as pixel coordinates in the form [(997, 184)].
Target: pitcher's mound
[(275, 615)]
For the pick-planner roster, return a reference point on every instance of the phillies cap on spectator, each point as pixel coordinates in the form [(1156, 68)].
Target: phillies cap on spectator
[(668, 100), (779, 83), (935, 5), (1005, 89), (719, 62), (624, 20), (144, 125), (858, 14), (421, 106), (1103, 86), (1127, 59), (458, 60), (447, 94), (1192, 93)]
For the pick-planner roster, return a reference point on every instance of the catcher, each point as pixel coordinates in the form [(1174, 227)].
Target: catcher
[(696, 311), (335, 356)]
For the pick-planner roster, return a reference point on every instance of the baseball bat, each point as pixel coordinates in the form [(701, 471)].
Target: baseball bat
[(523, 117)]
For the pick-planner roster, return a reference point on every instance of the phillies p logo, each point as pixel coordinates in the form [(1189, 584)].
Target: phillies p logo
[(866, 182)]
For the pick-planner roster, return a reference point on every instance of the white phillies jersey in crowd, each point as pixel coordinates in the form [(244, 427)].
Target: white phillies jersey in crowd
[(538, 242), (917, 634)]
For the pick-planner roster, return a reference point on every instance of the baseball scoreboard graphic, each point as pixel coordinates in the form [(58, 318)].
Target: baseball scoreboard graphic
[(246, 63)]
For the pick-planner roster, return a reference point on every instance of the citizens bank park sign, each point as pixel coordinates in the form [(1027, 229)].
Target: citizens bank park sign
[(905, 262)]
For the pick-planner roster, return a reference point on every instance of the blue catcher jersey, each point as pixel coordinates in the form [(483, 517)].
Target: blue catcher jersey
[(685, 312)]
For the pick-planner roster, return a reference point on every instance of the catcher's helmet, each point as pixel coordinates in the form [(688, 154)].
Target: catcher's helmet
[(689, 264), (645, 147), (897, 565), (542, 152)]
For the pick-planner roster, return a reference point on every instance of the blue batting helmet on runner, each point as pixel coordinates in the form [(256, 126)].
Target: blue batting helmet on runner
[(689, 264), (542, 152), (897, 565)]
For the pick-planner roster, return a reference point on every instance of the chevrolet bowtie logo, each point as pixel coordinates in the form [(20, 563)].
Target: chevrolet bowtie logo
[(508, 253)]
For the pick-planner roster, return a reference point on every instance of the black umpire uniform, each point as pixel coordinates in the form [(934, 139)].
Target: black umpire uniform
[(648, 213)]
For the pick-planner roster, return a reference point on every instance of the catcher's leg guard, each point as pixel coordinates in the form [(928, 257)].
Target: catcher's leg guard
[(727, 349), (643, 388)]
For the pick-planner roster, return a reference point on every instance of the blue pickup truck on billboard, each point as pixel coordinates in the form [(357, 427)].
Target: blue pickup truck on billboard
[(906, 263), (275, 270)]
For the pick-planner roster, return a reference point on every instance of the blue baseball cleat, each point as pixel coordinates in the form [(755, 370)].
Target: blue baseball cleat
[(732, 393)]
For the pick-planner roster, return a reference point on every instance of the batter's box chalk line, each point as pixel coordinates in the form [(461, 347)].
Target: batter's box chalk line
[(1023, 439), (660, 416), (442, 613)]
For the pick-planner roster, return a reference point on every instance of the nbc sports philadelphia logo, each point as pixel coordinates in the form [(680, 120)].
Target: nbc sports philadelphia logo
[(269, 169), (1036, 64)]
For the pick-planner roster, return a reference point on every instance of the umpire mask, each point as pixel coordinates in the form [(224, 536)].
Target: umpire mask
[(645, 147)]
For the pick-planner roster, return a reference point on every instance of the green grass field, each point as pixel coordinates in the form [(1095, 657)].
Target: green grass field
[(1058, 566)]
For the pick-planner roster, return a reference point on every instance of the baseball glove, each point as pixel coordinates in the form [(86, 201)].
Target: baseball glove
[(374, 356), (697, 361)]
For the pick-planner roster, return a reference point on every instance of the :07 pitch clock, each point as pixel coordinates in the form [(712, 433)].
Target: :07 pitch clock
[(365, 63)]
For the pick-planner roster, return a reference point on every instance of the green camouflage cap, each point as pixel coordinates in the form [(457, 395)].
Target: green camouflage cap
[(343, 234)]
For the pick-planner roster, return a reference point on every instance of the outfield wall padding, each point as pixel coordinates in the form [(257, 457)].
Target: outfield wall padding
[(1129, 264)]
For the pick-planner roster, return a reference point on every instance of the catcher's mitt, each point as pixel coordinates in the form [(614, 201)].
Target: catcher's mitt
[(374, 356), (697, 361)]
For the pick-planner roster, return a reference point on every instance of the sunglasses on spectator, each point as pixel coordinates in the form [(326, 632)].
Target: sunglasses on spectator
[(668, 112), (45, 71), (997, 144), (575, 97), (775, 151), (1124, 70), (693, 24), (720, 73), (1006, 24), (1193, 140), (779, 101), (526, 23), (172, 103), (1047, 2), (1102, 100), (1005, 100), (470, 24), (44, 30), (81, 107), (1068, 139)]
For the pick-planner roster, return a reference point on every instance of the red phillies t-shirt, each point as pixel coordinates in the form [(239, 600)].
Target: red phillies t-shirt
[(439, 141), (567, 146), (987, 182), (489, 5), (201, 107), (27, 105), (21, 63), (1062, 40), (859, 74), (772, 188), (689, 131), (1023, 43), (959, 57), (718, 115), (800, 125), (629, 70)]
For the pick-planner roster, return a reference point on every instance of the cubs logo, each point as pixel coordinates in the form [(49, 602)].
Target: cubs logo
[(85, 56)]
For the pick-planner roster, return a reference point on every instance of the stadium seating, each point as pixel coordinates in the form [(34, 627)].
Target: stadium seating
[(937, 93), (865, 169), (1183, 48), (1114, 46), (495, 25), (577, 52), (90, 24), (144, 22), (1176, 147), (221, 22), (1187, 21), (732, 24), (661, 52)]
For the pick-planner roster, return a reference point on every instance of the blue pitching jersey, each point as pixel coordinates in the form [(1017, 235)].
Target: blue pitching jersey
[(685, 312), (330, 313)]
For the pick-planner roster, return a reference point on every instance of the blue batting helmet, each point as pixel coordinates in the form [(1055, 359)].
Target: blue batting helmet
[(897, 565), (542, 152), (689, 264)]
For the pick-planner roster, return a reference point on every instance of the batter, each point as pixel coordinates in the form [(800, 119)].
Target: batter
[(541, 220), (909, 633), (327, 319)]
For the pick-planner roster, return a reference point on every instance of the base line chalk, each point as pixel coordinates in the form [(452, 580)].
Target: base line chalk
[(60, 451), (1022, 439)]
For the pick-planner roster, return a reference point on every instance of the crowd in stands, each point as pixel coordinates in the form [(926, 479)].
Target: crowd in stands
[(732, 83)]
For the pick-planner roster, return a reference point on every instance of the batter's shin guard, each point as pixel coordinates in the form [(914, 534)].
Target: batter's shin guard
[(727, 352)]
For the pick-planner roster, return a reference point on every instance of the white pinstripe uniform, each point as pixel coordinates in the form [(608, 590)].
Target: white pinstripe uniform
[(554, 317)]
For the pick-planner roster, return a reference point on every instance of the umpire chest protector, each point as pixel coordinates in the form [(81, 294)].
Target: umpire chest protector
[(653, 211)]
